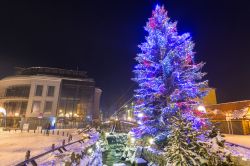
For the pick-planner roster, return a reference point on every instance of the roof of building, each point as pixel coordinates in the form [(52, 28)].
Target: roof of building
[(237, 105), (50, 71), (237, 110)]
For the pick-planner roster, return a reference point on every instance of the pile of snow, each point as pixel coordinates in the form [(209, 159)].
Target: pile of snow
[(79, 149), (238, 145), (238, 151)]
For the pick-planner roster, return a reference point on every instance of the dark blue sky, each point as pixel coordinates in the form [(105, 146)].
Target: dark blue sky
[(101, 37)]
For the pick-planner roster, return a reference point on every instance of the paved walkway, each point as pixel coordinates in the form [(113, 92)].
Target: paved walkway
[(243, 140)]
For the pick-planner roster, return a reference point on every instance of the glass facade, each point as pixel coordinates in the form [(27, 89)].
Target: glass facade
[(18, 91), (76, 97), (13, 107), (66, 96), (75, 101), (50, 91)]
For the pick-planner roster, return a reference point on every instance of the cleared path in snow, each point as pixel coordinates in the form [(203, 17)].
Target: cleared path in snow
[(243, 140)]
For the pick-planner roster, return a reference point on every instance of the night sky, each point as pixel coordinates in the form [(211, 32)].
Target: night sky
[(101, 37)]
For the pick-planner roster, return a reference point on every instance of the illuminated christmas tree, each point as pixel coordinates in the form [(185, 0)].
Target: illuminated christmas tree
[(167, 76), (169, 88)]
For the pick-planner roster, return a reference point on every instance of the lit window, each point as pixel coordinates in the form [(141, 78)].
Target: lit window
[(48, 106), (39, 90), (50, 91), (36, 106)]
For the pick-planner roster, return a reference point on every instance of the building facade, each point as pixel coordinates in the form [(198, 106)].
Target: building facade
[(41, 96), (231, 117)]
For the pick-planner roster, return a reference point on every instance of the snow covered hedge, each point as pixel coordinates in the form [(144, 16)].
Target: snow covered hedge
[(157, 157), (154, 156)]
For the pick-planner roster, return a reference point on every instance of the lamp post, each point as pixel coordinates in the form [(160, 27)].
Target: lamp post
[(202, 109), (2, 110)]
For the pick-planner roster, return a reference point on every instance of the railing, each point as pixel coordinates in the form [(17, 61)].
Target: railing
[(61, 149), (234, 144), (44, 132)]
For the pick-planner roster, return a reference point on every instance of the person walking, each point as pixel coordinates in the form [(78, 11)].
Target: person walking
[(48, 128)]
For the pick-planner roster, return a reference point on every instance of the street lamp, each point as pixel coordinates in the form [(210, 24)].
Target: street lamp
[(201, 108), (140, 115), (151, 141), (16, 114), (2, 110)]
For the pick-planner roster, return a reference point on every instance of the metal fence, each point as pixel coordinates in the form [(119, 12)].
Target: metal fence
[(61, 148)]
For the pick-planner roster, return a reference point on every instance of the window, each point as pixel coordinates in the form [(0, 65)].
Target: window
[(23, 108), (39, 90), (36, 106), (50, 91), (18, 91), (48, 106)]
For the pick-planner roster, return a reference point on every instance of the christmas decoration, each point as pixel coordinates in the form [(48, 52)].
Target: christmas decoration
[(167, 77), (220, 155), (169, 88), (237, 114)]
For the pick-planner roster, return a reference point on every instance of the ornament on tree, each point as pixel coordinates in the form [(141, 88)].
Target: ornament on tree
[(146, 63), (188, 59), (152, 23)]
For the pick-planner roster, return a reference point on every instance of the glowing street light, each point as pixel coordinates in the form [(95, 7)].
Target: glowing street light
[(201, 108), (132, 140), (140, 115), (16, 114), (3, 111), (129, 118), (139, 122), (106, 134), (90, 150), (151, 141)]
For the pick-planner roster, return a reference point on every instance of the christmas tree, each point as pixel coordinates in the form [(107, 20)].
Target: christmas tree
[(169, 90), (167, 76), (183, 147)]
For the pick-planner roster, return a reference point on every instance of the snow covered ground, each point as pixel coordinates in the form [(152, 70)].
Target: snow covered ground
[(57, 158), (13, 146), (243, 140), (243, 150)]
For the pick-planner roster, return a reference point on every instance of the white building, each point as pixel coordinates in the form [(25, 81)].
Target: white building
[(41, 96)]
